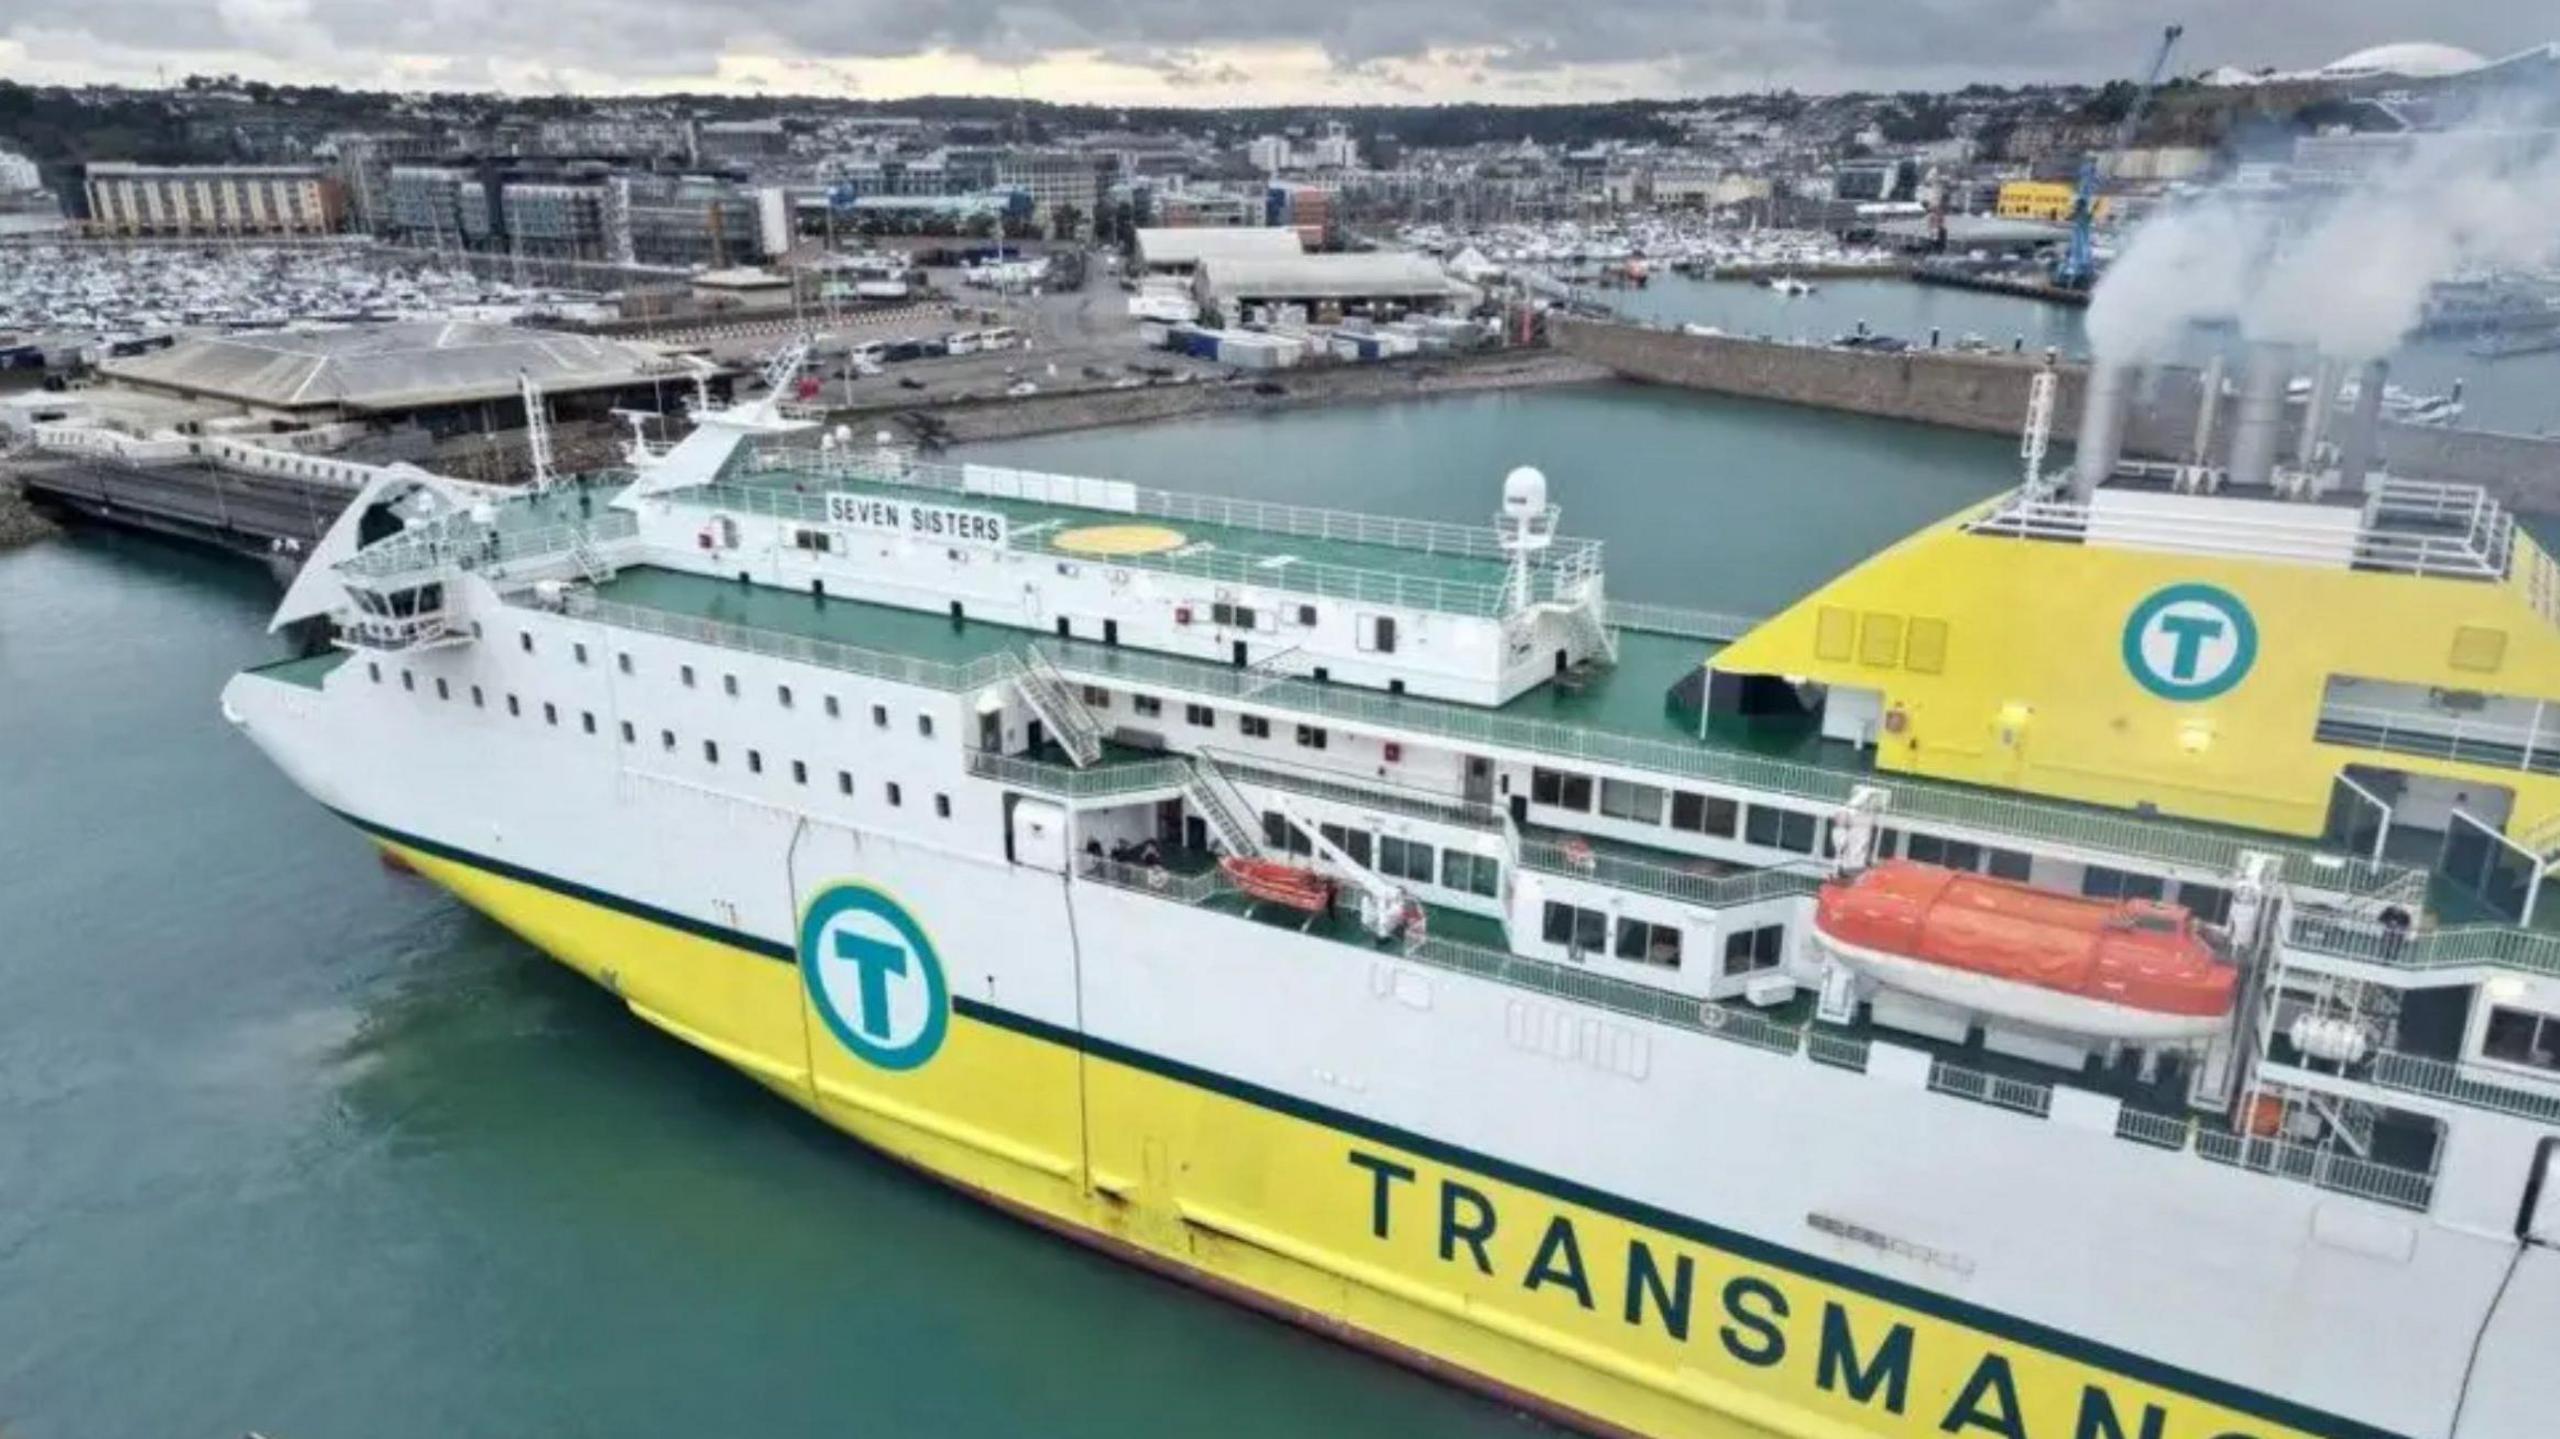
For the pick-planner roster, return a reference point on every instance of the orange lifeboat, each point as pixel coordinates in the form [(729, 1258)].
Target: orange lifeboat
[(1293, 885), (2115, 969)]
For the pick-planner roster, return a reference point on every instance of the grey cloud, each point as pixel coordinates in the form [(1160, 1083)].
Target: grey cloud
[(1707, 43)]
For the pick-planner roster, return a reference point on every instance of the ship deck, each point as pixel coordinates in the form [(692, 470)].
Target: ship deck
[(1433, 566), (1618, 714)]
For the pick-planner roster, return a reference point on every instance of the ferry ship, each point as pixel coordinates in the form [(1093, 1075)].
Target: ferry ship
[(1372, 922)]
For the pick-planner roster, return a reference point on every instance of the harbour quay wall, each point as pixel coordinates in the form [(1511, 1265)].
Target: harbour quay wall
[(1988, 393)]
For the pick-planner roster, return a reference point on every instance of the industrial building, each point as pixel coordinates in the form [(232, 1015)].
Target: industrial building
[(1179, 251), (2048, 200), (126, 198), (1324, 285), (443, 377)]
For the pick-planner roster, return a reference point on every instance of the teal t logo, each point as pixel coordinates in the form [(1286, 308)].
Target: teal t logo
[(873, 976), (2190, 642), (873, 963)]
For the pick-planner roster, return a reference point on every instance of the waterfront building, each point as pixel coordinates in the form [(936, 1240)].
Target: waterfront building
[(129, 198)]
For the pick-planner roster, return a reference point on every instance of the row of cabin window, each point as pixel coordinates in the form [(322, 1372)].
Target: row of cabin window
[(1200, 716), (782, 694), (1391, 855), (1768, 826), (667, 737), (1641, 941), (2209, 903)]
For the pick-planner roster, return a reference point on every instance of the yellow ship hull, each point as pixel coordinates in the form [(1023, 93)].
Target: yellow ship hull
[(1596, 1311)]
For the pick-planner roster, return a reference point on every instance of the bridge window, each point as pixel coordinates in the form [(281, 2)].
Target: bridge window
[(1312, 736), (624, 659), (1253, 726), (1353, 842), (941, 805), (1096, 697), (1625, 799), (443, 691), (1584, 931), (1775, 828), (711, 751), (2520, 1036), (1705, 814), (755, 761), (667, 740), (782, 695), (1562, 790), (375, 669), (1470, 873), (880, 716), (578, 651), (729, 686), (408, 681), (897, 796), (2100, 882), (686, 674), (834, 710), (844, 782), (515, 709), (1649, 943), (629, 735), (1404, 858), (478, 700), (550, 713), (799, 771), (587, 720), (1200, 716), (1147, 705), (1748, 951), (524, 641)]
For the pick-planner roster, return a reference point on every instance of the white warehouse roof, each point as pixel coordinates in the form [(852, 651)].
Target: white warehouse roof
[(1320, 277), (1191, 244)]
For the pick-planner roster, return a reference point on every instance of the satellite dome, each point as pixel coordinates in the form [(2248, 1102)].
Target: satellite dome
[(2417, 59), (1524, 493)]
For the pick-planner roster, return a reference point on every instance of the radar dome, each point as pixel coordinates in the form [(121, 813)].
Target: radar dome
[(1524, 493)]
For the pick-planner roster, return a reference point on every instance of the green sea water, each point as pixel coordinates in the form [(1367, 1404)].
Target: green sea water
[(294, 1144)]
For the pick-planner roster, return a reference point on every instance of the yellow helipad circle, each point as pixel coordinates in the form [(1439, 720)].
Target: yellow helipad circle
[(1119, 540)]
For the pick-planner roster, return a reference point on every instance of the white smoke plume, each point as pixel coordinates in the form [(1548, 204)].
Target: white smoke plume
[(2350, 272)]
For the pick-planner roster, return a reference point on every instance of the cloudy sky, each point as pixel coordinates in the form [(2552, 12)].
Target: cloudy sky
[(1210, 52)]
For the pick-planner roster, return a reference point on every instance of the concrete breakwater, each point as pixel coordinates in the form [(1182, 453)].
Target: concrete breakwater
[(1989, 393), (1011, 417), (20, 523)]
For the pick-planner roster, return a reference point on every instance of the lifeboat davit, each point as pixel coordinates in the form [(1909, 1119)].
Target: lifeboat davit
[(1296, 886), (2114, 969)]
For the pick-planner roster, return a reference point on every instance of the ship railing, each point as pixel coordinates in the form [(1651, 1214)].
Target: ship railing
[(2432, 1078), (2161, 1131), (2438, 736), (2000, 1090), (2469, 946), (2479, 553), (1371, 795), (1840, 1051), (1710, 625), (2321, 1165), (1382, 586), (1710, 890), (826, 654), (457, 542), (1066, 781), (1262, 516), (1153, 879), (1996, 818)]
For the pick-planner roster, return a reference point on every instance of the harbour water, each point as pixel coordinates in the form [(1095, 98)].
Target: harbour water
[(293, 1144), (2518, 394)]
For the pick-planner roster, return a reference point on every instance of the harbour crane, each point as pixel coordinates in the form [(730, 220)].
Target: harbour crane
[(2079, 267)]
